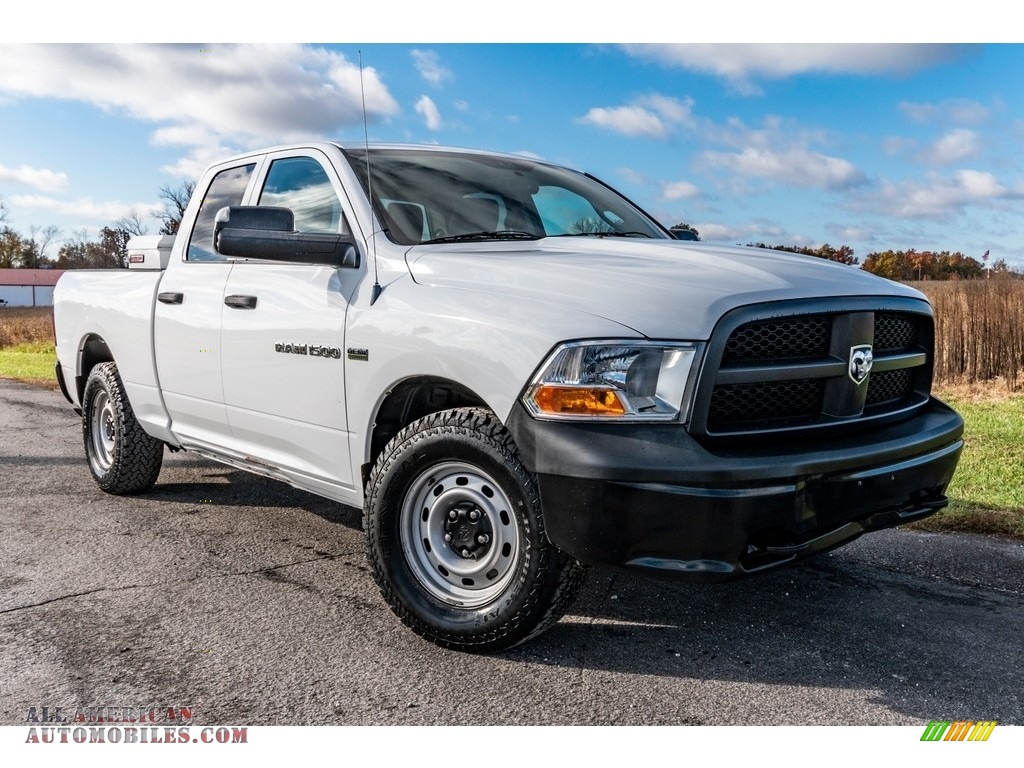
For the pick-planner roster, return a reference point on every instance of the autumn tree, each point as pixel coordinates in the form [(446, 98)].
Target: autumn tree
[(923, 265), (110, 251), (11, 248), (843, 254)]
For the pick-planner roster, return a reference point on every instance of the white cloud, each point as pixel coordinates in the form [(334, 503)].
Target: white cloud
[(244, 95), (740, 63), (629, 121), (959, 144), (84, 207), (631, 175), (679, 190), (652, 116), (719, 233), (428, 64), (428, 109), (937, 197), (955, 111), (897, 145), (39, 178), (798, 166), (759, 230)]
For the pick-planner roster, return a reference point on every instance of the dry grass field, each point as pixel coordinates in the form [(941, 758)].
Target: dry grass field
[(979, 331), (25, 325)]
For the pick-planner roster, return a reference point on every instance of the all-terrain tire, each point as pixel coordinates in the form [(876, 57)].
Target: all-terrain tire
[(455, 535), (123, 459)]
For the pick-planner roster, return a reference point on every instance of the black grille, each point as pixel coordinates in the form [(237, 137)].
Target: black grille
[(785, 339), (889, 385), (766, 401), (894, 333), (782, 371)]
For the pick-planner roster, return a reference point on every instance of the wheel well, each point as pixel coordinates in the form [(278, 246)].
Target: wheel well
[(410, 400), (94, 351)]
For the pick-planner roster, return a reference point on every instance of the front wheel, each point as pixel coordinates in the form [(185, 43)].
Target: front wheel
[(123, 459), (455, 535)]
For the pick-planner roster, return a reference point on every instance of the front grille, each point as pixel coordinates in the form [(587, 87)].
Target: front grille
[(767, 401), (894, 333), (791, 338), (779, 368), (889, 385)]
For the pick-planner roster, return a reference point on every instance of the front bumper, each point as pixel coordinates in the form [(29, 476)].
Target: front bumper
[(650, 497)]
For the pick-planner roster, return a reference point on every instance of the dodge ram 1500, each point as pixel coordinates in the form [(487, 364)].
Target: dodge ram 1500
[(514, 371)]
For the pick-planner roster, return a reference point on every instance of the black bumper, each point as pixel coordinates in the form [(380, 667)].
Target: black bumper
[(650, 497)]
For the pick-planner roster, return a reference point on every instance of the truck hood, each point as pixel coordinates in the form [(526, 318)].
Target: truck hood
[(661, 289)]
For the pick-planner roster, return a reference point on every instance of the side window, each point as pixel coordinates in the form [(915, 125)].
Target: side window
[(227, 188), (301, 183)]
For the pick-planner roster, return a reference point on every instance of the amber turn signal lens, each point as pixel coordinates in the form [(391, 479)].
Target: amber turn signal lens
[(579, 401)]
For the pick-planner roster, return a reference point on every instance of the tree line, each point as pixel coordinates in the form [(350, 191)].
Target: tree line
[(34, 249), (907, 265)]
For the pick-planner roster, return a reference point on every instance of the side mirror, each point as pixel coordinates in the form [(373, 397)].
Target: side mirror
[(265, 232)]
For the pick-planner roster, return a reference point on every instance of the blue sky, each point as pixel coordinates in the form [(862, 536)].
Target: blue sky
[(874, 146)]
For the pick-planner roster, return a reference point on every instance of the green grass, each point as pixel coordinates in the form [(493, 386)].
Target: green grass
[(29, 362), (987, 492)]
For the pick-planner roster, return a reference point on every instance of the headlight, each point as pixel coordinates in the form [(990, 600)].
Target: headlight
[(633, 381)]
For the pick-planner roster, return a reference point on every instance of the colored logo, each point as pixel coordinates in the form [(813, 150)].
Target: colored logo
[(958, 730)]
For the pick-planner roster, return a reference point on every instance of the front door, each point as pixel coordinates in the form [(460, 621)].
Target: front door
[(283, 338)]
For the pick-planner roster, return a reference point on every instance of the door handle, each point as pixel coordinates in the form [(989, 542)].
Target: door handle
[(240, 302), (170, 297)]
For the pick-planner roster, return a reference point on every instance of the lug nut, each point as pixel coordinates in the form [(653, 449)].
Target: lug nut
[(465, 553), (452, 514), (474, 515), (483, 538), (448, 537)]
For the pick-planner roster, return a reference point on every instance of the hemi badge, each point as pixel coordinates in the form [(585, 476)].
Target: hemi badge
[(357, 353)]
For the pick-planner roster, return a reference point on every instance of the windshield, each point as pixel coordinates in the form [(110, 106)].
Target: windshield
[(425, 196)]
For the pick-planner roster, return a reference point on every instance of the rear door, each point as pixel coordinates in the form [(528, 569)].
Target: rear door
[(187, 320), (284, 334)]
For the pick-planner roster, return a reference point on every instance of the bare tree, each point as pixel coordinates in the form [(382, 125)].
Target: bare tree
[(131, 223), (39, 240), (3, 212), (175, 202)]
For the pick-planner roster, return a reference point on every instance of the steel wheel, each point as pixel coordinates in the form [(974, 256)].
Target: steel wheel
[(103, 434), (122, 457), (455, 535), (458, 536)]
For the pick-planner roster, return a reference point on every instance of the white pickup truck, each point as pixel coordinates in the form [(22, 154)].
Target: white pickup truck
[(513, 370)]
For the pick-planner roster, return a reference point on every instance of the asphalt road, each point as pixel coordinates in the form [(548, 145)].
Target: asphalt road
[(251, 602)]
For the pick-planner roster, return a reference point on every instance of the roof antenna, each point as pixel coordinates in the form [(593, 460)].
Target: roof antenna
[(375, 293)]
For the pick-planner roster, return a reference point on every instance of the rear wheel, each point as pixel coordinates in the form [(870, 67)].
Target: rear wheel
[(123, 459), (455, 535)]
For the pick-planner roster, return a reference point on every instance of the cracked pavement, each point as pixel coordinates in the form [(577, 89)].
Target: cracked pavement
[(252, 602)]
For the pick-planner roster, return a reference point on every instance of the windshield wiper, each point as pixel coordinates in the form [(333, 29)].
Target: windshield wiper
[(504, 234), (605, 234)]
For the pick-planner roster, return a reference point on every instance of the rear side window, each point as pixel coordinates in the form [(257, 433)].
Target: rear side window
[(302, 184), (227, 188)]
